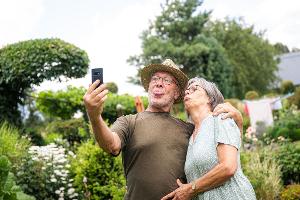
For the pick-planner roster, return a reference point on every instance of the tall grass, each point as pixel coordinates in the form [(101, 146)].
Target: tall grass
[(264, 174), (12, 145)]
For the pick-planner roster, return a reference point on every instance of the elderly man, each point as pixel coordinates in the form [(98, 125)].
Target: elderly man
[(153, 143)]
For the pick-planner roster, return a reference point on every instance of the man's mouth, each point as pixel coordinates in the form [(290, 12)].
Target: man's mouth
[(158, 93)]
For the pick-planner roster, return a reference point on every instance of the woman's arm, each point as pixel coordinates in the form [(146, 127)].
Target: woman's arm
[(223, 171)]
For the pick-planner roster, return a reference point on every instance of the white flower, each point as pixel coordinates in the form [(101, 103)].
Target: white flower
[(84, 180), (71, 191), (53, 180), (57, 191), (61, 198)]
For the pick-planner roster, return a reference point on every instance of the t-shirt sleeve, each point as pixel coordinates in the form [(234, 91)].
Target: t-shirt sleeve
[(122, 127), (227, 132)]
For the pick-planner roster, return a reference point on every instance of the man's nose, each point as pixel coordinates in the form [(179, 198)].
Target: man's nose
[(159, 82)]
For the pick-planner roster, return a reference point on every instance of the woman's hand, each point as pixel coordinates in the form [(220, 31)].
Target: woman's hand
[(184, 192), (230, 112)]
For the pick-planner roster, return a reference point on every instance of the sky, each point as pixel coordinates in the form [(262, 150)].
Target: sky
[(109, 31)]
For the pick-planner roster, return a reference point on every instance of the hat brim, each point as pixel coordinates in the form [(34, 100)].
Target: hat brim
[(149, 70)]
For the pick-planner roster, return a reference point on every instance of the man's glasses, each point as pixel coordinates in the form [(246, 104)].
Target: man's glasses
[(165, 80)]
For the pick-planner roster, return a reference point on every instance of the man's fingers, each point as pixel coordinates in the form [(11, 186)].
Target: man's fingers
[(92, 87), (103, 99), (169, 196), (98, 90)]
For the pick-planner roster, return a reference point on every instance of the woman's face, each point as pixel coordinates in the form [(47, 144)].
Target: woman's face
[(195, 96)]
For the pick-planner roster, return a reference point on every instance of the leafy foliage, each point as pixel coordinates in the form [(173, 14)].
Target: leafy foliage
[(177, 33), (287, 126), (28, 63), (287, 87), (288, 157), (295, 99), (101, 173), (74, 131), (8, 188), (62, 103), (291, 192), (112, 87), (12, 145), (45, 173), (251, 56), (251, 95), (281, 48)]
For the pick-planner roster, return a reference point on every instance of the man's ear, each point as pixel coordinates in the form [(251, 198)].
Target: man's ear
[(177, 94)]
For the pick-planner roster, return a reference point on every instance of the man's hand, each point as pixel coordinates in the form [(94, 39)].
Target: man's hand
[(230, 112), (184, 192), (94, 99)]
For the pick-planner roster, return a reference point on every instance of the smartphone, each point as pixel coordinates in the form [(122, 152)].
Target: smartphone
[(97, 74)]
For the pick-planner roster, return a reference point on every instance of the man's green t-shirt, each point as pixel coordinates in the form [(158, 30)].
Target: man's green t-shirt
[(154, 147)]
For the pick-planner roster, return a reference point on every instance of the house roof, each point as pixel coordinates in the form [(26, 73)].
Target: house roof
[(289, 67)]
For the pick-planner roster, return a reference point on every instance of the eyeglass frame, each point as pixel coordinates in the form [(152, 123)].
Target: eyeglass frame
[(165, 80), (195, 88)]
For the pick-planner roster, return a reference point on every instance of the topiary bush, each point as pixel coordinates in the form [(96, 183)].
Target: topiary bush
[(291, 192), (295, 99), (31, 62), (97, 173), (287, 87), (251, 95)]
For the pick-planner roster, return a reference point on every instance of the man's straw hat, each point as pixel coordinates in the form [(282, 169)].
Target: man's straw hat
[(167, 66)]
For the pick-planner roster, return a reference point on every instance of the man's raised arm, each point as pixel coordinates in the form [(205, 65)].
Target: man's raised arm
[(94, 101)]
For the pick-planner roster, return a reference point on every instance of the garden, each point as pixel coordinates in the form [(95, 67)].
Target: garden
[(47, 148)]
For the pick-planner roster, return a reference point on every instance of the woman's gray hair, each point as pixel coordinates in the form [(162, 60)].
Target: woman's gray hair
[(211, 90)]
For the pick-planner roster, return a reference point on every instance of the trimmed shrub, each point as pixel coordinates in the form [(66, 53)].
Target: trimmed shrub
[(251, 95), (97, 173), (295, 99), (291, 192), (287, 87)]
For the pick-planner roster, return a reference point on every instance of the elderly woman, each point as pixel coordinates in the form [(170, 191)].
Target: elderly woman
[(213, 156)]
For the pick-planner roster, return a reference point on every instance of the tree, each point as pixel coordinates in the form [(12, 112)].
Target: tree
[(62, 104), (252, 57), (29, 63), (281, 48), (112, 87), (178, 34)]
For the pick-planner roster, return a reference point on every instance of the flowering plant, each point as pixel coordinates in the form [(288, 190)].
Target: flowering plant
[(45, 173)]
